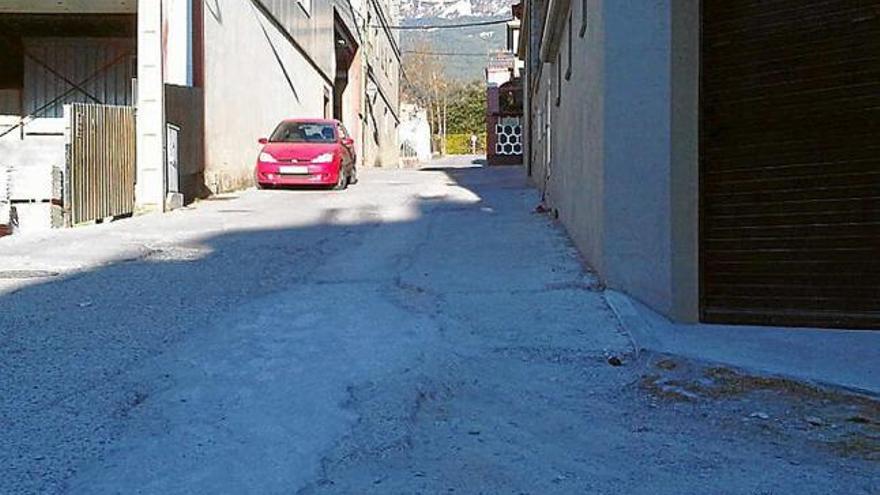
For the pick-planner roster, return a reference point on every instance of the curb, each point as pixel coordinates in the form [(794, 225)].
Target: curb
[(636, 328), (643, 334)]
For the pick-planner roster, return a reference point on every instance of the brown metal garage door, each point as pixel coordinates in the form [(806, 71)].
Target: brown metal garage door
[(790, 162)]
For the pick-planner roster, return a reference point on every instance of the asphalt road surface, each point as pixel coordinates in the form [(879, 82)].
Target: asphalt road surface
[(424, 332)]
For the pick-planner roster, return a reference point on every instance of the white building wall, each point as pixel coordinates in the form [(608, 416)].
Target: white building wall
[(415, 133)]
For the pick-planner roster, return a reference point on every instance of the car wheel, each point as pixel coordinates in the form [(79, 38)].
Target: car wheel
[(354, 176), (342, 182)]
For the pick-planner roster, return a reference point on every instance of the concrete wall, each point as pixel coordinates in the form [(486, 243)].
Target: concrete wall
[(381, 147), (372, 99), (617, 161), (382, 118), (637, 149), (571, 135), (248, 91)]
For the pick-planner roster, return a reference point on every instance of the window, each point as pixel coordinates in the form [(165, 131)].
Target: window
[(306, 6), (568, 66), (584, 17)]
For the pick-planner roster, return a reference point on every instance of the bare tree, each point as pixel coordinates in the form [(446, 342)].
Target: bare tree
[(426, 83)]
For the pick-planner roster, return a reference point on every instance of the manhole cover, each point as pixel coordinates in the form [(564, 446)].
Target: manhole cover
[(24, 274)]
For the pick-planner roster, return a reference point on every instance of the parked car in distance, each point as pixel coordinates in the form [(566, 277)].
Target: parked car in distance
[(307, 152)]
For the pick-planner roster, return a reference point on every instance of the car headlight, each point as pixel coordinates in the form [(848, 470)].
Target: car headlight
[(267, 158), (325, 158)]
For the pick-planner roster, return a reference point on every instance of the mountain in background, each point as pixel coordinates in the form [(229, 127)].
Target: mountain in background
[(465, 51)]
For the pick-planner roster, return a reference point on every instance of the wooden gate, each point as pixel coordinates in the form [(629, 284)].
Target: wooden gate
[(100, 162)]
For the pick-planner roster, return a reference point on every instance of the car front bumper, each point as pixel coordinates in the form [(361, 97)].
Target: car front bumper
[(274, 174)]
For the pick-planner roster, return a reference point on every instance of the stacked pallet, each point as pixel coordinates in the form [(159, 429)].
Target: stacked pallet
[(35, 194), (35, 158), (5, 208)]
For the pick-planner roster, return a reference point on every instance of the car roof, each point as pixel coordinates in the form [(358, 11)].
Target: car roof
[(313, 121)]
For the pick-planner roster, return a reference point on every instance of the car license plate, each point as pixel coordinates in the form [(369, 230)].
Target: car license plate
[(294, 170)]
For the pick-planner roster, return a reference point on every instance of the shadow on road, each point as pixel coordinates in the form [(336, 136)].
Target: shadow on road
[(73, 348), (428, 338)]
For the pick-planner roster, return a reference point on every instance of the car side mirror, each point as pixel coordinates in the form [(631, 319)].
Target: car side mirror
[(348, 141), (263, 140)]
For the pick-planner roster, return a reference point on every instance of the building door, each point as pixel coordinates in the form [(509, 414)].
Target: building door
[(790, 163)]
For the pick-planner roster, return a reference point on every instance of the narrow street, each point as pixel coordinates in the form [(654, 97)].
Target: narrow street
[(425, 331)]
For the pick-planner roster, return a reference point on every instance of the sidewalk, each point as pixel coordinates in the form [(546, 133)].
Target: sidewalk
[(841, 358)]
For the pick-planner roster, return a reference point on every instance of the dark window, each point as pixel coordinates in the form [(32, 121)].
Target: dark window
[(568, 65), (584, 17)]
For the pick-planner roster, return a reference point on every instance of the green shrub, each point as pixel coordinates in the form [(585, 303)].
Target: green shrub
[(460, 144)]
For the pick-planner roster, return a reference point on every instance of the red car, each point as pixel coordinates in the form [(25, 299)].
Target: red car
[(305, 153)]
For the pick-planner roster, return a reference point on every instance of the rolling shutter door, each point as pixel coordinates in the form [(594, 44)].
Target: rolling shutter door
[(790, 162)]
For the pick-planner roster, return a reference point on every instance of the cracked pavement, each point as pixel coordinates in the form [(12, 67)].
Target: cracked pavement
[(422, 332)]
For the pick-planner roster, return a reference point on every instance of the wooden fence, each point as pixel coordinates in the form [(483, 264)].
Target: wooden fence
[(100, 162)]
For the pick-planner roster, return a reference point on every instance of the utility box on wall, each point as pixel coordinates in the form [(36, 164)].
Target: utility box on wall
[(173, 197)]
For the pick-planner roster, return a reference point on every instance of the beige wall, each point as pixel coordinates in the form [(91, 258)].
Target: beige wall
[(249, 91), (567, 140), (622, 168), (380, 135), (382, 117)]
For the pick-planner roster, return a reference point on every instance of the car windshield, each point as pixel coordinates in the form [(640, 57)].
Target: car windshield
[(304, 132)]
